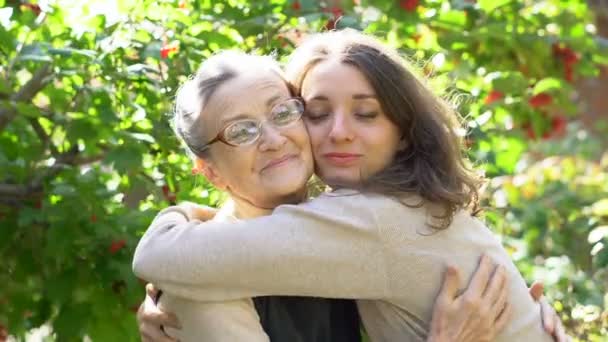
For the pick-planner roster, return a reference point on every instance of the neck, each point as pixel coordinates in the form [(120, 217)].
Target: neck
[(244, 208)]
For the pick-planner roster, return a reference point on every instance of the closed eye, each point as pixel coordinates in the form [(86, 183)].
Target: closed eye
[(367, 116), (314, 117)]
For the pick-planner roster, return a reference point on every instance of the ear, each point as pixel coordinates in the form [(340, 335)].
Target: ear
[(210, 172)]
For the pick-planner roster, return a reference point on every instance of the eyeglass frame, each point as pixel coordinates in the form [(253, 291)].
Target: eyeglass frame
[(220, 135)]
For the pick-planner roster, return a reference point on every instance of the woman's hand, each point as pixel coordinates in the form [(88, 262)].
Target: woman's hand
[(479, 313), (551, 321), (151, 319), (198, 212)]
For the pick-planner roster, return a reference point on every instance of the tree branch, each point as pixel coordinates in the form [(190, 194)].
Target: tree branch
[(44, 138), (16, 192), (38, 81)]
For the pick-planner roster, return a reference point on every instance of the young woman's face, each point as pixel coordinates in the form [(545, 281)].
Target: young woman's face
[(278, 165), (351, 137)]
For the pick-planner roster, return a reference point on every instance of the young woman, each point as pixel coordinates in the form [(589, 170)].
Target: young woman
[(374, 128)]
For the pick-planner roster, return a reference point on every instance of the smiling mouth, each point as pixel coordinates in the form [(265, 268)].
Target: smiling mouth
[(278, 162), (342, 159)]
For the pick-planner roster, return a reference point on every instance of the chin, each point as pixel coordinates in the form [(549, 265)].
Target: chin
[(287, 196), (340, 179), (286, 185)]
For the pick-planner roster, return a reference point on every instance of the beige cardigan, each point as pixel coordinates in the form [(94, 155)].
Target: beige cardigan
[(342, 245), (229, 321)]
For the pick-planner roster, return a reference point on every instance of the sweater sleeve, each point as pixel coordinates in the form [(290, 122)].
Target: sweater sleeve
[(314, 249)]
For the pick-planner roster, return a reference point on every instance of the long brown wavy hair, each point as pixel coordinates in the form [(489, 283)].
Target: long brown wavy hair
[(433, 166)]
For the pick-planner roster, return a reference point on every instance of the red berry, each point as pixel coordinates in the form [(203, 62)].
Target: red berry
[(32, 7), (568, 57), (569, 72), (116, 246), (337, 12), (408, 5), (493, 96), (330, 24), (93, 218), (165, 189), (540, 100), (529, 131), (558, 126), (168, 49), (3, 333), (296, 6)]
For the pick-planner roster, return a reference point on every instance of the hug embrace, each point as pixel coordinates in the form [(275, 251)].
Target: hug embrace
[(391, 249)]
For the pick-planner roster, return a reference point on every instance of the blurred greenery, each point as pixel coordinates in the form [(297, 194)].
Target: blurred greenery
[(88, 157)]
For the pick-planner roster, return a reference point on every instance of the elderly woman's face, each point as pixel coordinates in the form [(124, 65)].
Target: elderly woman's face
[(276, 167)]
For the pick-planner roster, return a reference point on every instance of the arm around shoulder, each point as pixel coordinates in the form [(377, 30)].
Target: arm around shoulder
[(328, 247)]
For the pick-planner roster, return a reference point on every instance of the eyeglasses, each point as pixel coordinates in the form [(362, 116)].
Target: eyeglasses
[(247, 131)]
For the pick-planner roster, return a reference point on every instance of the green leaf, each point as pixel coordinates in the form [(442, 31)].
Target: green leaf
[(125, 158), (510, 83), (454, 18), (547, 84), (490, 5), (68, 52)]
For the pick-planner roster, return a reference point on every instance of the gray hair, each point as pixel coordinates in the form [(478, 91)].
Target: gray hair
[(194, 94)]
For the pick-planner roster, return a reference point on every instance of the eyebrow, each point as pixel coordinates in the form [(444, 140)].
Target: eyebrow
[(364, 96), (272, 100), (269, 103), (355, 97)]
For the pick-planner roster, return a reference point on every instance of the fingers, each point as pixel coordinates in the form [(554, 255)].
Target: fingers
[(151, 290), (152, 334), (497, 286), (163, 319), (451, 283), (548, 316), (503, 317), (203, 213), (479, 282), (149, 313), (536, 290), (498, 293)]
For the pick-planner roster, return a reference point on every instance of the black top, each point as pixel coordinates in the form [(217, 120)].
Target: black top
[(308, 319)]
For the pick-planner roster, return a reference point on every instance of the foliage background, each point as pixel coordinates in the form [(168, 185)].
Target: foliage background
[(88, 157)]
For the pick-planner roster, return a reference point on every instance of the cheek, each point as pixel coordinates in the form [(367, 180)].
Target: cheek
[(316, 134), (382, 139), (237, 161), (301, 138)]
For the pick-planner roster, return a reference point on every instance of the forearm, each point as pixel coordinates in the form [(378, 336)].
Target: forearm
[(293, 252)]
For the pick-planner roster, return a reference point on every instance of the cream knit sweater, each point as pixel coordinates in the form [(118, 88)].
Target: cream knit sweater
[(341, 245)]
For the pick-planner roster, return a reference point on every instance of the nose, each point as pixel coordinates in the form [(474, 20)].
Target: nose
[(341, 130), (272, 139)]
